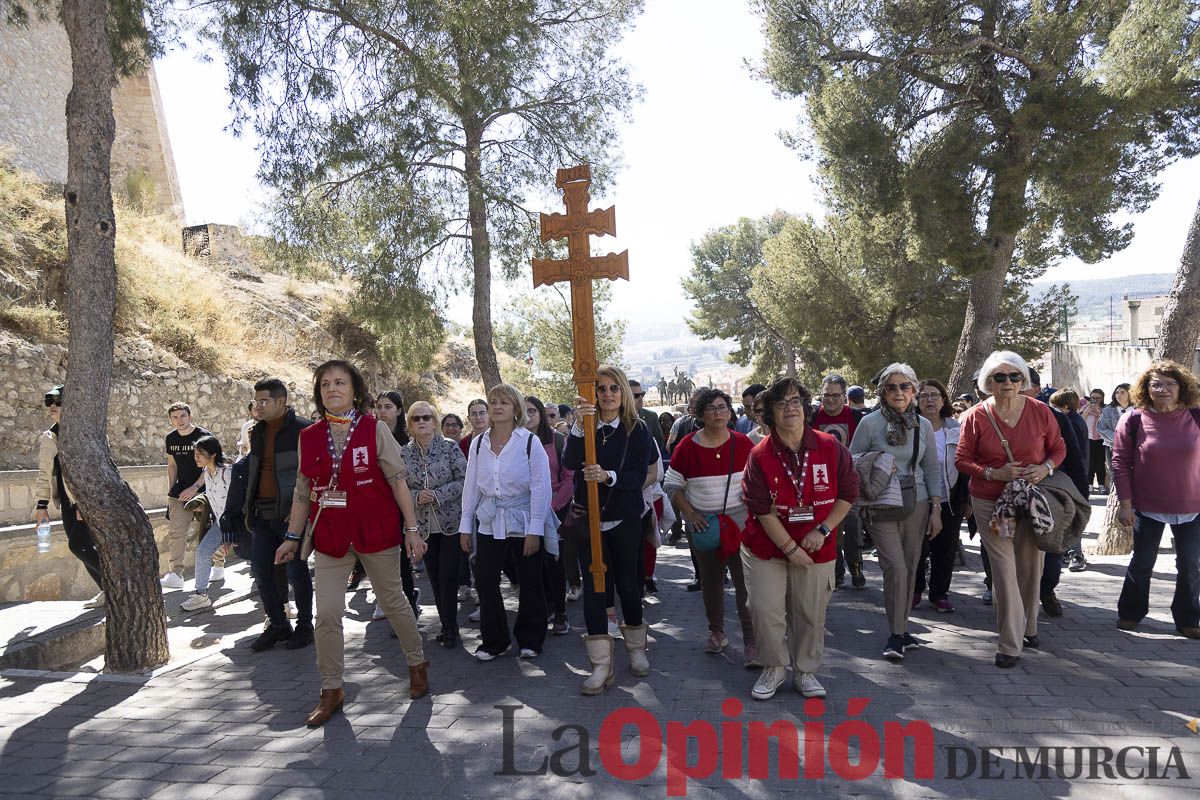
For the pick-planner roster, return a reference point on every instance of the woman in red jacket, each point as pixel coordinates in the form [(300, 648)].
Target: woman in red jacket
[(352, 467), (798, 486)]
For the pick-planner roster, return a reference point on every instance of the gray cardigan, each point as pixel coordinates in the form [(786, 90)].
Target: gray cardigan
[(871, 436)]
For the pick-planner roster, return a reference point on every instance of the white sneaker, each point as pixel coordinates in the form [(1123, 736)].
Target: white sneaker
[(171, 581), (291, 611), (769, 681), (808, 685), (95, 602), (217, 574), (528, 652), (473, 616), (196, 602), (379, 613), (614, 628), (575, 593)]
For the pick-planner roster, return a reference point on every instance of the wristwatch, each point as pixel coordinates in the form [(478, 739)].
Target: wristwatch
[(824, 529), (291, 537), (1050, 466)]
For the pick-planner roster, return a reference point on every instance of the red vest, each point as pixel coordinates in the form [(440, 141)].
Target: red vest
[(820, 491), (371, 519)]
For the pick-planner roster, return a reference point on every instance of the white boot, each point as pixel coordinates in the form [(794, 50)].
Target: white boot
[(600, 654), (635, 646)]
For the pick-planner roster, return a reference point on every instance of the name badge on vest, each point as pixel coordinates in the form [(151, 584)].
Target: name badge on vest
[(795, 514), (333, 498)]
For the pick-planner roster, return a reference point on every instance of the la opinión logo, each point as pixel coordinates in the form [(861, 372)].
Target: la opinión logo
[(852, 750)]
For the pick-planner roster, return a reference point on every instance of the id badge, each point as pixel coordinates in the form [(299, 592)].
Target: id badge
[(800, 514), (334, 498)]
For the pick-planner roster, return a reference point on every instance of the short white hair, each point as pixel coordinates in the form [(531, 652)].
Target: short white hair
[(995, 360), (903, 369)]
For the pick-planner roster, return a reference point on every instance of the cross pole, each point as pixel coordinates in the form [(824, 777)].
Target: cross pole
[(580, 268)]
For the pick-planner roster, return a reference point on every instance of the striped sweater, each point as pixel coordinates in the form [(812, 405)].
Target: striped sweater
[(703, 472)]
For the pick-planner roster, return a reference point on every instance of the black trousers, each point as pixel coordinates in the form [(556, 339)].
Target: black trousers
[(622, 553), (80, 542), (554, 582), (268, 535), (491, 555), (441, 565), (939, 554), (1096, 463)]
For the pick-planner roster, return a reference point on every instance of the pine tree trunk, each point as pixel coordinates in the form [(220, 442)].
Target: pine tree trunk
[(481, 258), (1181, 321), (1115, 539), (136, 633), (982, 322)]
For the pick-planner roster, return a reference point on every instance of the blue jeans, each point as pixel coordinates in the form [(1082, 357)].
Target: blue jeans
[(204, 553), (1135, 594), (268, 535)]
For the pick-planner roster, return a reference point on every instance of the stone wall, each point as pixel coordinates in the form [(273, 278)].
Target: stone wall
[(17, 488), (145, 382), (1084, 367), (36, 64)]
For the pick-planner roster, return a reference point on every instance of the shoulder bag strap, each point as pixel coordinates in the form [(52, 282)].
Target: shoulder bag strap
[(1007, 450), (912, 464), (729, 477)]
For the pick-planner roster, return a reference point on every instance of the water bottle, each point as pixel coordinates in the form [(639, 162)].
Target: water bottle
[(43, 536)]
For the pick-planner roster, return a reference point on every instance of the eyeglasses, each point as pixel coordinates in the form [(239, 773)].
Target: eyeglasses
[(1164, 384), (791, 402), (610, 388), (929, 396), (421, 418), (481, 412), (451, 424), (897, 387), (263, 401), (1005, 377), (721, 409), (758, 411), (531, 411), (638, 395), (53, 401)]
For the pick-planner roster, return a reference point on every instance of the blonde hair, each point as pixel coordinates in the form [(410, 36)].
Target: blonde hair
[(628, 413), (514, 396)]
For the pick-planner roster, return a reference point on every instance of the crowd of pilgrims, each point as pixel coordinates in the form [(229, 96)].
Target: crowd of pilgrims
[(777, 503)]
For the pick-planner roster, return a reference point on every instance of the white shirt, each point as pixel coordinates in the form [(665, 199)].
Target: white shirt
[(216, 489), (506, 479), (243, 440)]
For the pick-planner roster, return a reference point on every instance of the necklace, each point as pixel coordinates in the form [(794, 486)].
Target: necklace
[(606, 433), (340, 419)]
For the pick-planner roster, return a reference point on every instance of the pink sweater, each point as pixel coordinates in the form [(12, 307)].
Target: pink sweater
[(1034, 440), (1160, 471)]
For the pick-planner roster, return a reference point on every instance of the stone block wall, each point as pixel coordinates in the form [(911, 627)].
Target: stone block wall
[(17, 489), (35, 62)]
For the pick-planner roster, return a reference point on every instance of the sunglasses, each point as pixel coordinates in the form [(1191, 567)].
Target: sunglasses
[(611, 388), (451, 424), (53, 401), (421, 418), (638, 395), (897, 387), (1005, 377)]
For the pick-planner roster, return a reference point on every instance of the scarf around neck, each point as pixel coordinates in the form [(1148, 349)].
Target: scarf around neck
[(898, 423)]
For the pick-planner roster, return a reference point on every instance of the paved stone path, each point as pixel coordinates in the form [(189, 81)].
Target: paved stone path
[(229, 725)]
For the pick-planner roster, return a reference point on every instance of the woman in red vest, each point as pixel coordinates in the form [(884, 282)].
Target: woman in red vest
[(798, 485), (351, 466)]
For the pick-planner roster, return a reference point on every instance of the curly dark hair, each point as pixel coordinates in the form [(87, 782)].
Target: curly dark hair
[(778, 391), (361, 397), (1189, 394), (706, 396)]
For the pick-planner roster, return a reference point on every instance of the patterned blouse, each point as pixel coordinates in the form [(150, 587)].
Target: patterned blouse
[(440, 468)]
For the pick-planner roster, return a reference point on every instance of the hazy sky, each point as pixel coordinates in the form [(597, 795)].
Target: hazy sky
[(702, 150)]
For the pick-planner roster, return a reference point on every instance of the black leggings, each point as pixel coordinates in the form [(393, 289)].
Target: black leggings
[(79, 540), (622, 550), (441, 562), (939, 553)]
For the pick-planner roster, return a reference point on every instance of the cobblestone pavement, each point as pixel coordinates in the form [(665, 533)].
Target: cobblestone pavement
[(230, 724)]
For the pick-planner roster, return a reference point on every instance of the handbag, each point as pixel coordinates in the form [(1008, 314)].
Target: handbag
[(908, 490), (575, 522), (709, 537)]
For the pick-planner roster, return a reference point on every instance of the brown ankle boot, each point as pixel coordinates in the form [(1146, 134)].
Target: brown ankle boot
[(418, 680), (331, 703)]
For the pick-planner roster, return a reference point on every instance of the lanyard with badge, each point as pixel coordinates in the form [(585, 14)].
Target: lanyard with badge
[(333, 497), (798, 513)]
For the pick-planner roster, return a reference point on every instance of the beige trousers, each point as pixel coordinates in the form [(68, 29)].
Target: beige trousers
[(788, 600), (1016, 579), (383, 568), (177, 534), (899, 547)]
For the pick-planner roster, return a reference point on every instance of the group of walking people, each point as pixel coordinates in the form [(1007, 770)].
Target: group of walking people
[(771, 507)]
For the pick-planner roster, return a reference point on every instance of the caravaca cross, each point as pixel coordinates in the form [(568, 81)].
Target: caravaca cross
[(580, 268)]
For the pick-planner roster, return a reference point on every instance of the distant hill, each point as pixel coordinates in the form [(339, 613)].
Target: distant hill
[(1094, 296)]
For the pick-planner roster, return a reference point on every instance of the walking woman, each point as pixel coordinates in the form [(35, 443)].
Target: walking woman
[(506, 498), (1107, 426), (799, 485), (217, 476), (1031, 433), (51, 487), (350, 464), (706, 479), (557, 571), (436, 470), (1156, 466), (898, 429), (624, 455), (934, 403)]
